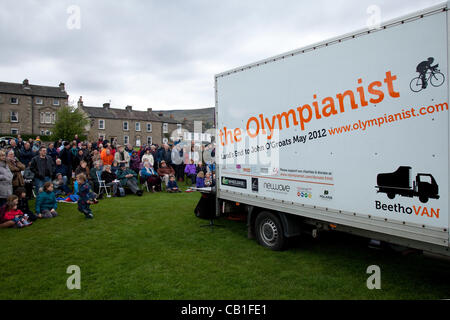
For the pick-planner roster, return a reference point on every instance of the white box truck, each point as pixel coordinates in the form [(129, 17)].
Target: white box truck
[(350, 134)]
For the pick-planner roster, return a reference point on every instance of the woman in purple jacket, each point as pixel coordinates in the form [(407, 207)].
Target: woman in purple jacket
[(191, 171), (135, 162)]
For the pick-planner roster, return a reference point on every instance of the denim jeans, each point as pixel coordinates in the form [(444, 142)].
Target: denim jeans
[(38, 183)]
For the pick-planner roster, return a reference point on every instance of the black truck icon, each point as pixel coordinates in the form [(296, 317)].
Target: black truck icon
[(399, 183)]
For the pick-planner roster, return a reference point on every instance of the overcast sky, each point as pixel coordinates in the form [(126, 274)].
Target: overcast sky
[(164, 54)]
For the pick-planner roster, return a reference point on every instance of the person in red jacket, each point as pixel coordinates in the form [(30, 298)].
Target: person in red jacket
[(13, 214)]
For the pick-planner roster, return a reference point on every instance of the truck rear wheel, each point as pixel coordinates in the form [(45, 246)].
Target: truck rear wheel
[(423, 199), (269, 231)]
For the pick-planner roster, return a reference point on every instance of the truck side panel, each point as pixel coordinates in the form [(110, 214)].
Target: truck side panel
[(308, 133)]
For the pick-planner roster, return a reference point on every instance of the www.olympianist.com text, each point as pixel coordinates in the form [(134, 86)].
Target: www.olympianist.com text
[(389, 118)]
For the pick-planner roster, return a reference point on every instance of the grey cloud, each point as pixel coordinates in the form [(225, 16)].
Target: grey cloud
[(164, 53)]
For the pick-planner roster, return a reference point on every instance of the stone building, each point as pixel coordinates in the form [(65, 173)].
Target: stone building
[(29, 109), (127, 125)]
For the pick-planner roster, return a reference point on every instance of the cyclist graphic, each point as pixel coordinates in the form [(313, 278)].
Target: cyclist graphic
[(423, 67), (427, 74)]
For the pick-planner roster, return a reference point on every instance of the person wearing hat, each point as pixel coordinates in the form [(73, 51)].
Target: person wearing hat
[(128, 178), (165, 172), (122, 156)]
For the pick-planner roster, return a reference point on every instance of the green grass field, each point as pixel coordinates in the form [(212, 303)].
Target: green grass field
[(153, 247)]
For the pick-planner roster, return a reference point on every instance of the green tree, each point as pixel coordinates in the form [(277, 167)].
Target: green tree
[(70, 121)]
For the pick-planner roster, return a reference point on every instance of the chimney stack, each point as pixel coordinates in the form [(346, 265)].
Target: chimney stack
[(80, 102), (171, 116), (62, 86), (26, 84), (106, 105), (149, 109), (129, 108)]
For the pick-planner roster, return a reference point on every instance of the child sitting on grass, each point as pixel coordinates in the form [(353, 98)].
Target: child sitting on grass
[(86, 196), (46, 203), (21, 193), (172, 186), (14, 214), (200, 180)]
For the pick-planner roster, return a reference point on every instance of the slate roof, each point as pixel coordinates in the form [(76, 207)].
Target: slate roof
[(111, 113), (40, 91)]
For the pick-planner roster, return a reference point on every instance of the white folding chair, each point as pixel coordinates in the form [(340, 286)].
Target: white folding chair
[(102, 185)]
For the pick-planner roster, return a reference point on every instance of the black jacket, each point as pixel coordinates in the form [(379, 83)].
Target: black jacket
[(26, 156), (42, 169), (108, 177), (66, 159)]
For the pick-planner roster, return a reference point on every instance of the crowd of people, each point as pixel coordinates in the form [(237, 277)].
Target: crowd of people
[(83, 171)]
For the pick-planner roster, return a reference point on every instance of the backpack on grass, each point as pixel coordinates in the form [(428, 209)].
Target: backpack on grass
[(120, 192)]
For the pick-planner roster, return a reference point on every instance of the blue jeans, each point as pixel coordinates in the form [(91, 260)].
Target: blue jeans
[(38, 183)]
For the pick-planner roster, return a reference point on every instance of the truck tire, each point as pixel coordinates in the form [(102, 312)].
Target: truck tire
[(269, 231), (391, 195), (423, 199)]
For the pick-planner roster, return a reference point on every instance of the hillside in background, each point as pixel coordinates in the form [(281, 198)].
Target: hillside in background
[(206, 115)]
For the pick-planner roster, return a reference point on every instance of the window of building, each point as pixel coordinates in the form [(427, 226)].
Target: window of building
[(138, 126), (55, 102), (14, 100), (48, 117), (48, 133), (126, 140), (42, 132), (125, 126), (165, 140), (149, 127), (165, 128), (42, 117), (53, 117), (101, 136), (39, 101), (138, 141), (149, 141), (101, 124), (14, 116), (14, 131)]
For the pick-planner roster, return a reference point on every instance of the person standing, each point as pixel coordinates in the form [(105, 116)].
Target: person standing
[(26, 154), (52, 152), (6, 177), (122, 156), (66, 158), (42, 166), (16, 168)]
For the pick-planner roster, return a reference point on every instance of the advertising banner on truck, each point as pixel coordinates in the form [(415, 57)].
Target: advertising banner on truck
[(360, 125)]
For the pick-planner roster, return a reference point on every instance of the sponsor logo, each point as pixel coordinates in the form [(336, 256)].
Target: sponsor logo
[(304, 195), (232, 182), (255, 184), (248, 170), (277, 188), (304, 192), (397, 208), (326, 195)]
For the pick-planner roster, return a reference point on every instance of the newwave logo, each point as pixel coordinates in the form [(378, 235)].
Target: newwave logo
[(281, 188)]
